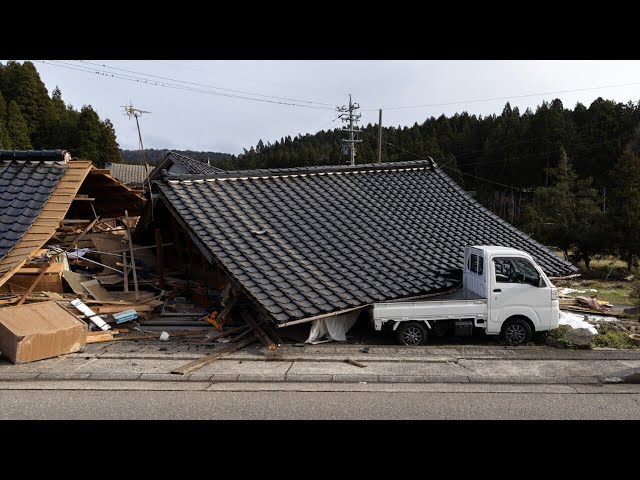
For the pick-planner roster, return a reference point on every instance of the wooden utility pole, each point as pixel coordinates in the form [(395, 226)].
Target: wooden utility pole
[(380, 137), (133, 258)]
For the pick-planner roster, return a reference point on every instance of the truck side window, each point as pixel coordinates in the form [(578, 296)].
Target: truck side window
[(480, 265), (515, 270), (474, 263), (502, 267)]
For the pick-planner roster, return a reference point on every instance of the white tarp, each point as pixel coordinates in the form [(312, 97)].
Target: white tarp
[(332, 328), (577, 320)]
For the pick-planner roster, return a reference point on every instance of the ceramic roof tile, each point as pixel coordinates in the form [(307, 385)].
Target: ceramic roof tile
[(314, 240), (25, 186), (128, 174)]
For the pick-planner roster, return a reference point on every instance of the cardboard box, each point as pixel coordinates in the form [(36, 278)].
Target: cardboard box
[(39, 330)]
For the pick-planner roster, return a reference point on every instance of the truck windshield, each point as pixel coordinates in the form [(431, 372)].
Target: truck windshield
[(515, 270)]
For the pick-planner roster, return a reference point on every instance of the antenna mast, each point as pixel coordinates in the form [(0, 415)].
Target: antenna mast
[(130, 111), (349, 116)]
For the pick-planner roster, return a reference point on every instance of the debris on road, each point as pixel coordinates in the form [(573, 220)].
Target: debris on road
[(355, 363), (38, 331)]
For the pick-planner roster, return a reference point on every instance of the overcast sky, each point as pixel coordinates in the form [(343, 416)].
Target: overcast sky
[(204, 120)]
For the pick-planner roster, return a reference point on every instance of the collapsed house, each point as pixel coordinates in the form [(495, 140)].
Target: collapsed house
[(47, 197), (311, 243)]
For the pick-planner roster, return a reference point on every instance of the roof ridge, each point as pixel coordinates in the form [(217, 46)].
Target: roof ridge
[(307, 170), (61, 156)]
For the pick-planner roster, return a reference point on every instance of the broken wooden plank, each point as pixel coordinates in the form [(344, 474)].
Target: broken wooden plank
[(133, 258), (75, 281), (353, 362), (117, 309), (212, 357), (43, 270), (54, 295), (99, 336), (109, 279), (9, 301), (264, 338), (220, 319), (97, 291), (130, 296), (84, 232), (125, 272)]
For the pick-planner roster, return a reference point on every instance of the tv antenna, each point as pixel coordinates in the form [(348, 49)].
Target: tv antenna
[(131, 111)]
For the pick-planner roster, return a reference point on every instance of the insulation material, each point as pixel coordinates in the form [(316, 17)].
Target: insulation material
[(577, 320), (332, 328)]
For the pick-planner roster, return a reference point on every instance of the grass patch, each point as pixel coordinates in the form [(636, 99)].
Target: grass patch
[(612, 339), (558, 334), (608, 291)]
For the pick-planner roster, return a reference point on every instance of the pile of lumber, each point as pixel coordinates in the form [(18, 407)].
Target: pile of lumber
[(584, 304)]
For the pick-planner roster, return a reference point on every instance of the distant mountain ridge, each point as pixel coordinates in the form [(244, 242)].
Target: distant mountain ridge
[(154, 156)]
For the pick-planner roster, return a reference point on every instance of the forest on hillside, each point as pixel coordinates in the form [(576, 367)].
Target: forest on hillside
[(568, 176), (31, 119)]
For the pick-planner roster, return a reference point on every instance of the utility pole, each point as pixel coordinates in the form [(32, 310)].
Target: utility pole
[(380, 137), (351, 118)]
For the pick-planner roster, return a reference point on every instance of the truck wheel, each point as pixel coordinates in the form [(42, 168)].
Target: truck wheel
[(516, 331), (411, 333)]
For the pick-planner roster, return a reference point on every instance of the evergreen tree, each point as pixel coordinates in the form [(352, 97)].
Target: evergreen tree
[(591, 234), (624, 207), (90, 133), (17, 128), (5, 143), (109, 149), (553, 214), (21, 83)]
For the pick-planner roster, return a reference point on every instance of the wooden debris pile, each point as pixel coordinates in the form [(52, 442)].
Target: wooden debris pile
[(584, 304)]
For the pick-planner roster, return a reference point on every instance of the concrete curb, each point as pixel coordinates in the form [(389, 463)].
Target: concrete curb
[(310, 378)]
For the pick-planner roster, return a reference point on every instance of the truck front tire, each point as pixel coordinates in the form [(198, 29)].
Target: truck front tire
[(516, 331), (411, 334)]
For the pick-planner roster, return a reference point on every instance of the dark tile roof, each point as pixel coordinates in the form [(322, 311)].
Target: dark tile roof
[(175, 163), (308, 241), (193, 166), (25, 187), (128, 174)]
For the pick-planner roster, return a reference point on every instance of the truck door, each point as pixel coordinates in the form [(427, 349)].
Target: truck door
[(516, 289)]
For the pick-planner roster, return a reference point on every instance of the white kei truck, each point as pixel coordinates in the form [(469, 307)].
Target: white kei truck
[(504, 292)]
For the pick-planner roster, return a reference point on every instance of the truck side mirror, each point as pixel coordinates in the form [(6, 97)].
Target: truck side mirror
[(541, 282)]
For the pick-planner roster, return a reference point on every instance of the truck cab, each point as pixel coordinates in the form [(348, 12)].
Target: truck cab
[(504, 292)]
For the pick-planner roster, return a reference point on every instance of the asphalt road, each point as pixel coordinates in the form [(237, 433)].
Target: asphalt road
[(375, 405)]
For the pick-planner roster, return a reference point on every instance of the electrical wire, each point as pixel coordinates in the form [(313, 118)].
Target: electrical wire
[(204, 85), (503, 98), (139, 80)]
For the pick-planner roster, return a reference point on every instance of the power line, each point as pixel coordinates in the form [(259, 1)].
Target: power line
[(325, 124), (168, 85), (503, 98), (204, 85), (450, 168)]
